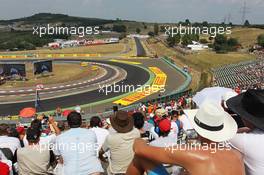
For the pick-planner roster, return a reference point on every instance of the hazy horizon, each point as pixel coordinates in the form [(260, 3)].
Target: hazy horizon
[(162, 11)]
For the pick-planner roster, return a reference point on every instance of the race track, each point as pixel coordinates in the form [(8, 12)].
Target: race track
[(140, 49), (82, 98)]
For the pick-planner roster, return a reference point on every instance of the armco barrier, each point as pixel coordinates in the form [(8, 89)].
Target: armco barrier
[(187, 76)]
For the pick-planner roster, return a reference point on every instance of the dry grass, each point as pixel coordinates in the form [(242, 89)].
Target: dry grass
[(200, 62), (208, 59), (246, 36), (95, 49), (132, 45), (62, 73)]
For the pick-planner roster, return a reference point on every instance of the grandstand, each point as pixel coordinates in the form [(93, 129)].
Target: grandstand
[(243, 75)]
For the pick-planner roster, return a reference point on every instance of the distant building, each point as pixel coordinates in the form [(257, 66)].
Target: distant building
[(138, 36), (196, 46)]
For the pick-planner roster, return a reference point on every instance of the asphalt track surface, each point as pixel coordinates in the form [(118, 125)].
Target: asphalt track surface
[(110, 73), (140, 49), (135, 76)]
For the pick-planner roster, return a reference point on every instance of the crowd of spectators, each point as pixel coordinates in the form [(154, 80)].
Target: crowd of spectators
[(244, 76), (144, 140)]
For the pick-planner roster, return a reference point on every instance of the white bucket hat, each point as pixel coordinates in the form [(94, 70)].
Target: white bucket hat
[(212, 122)]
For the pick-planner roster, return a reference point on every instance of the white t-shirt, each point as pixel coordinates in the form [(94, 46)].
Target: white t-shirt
[(101, 135), (185, 121), (174, 128), (250, 145), (78, 148), (9, 142), (43, 140)]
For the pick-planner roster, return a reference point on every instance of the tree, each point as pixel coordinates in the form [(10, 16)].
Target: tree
[(150, 33), (187, 22), (261, 40), (156, 29), (220, 44), (205, 24), (119, 28), (223, 45), (171, 41), (122, 35), (246, 24), (232, 44), (177, 38), (138, 30), (187, 39)]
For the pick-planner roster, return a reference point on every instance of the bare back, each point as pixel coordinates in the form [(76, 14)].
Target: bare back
[(227, 162)]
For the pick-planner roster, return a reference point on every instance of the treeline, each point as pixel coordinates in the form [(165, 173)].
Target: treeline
[(45, 18), (221, 43), (17, 40)]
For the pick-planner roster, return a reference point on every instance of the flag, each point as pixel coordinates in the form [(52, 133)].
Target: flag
[(37, 100)]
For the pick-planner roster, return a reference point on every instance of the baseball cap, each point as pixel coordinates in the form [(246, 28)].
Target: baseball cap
[(165, 125)]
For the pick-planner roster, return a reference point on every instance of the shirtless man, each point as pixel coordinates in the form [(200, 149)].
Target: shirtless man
[(214, 126)]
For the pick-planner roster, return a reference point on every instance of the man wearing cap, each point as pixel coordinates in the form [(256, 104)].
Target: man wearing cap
[(120, 143), (214, 126), (159, 115), (250, 107), (164, 138)]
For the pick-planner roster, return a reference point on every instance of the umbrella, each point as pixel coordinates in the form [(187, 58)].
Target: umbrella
[(27, 112), (213, 94), (66, 112)]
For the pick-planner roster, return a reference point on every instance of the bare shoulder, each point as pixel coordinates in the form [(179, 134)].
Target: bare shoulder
[(228, 162)]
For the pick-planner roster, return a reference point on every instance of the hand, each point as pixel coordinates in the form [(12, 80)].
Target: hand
[(51, 120), (243, 130), (40, 117)]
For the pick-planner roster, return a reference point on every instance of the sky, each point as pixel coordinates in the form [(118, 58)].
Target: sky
[(140, 10)]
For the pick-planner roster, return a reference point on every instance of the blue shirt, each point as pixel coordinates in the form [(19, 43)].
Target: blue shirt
[(78, 148)]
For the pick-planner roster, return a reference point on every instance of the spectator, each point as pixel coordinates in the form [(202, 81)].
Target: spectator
[(120, 144), (21, 131), (176, 124), (164, 139), (78, 109), (186, 125), (214, 126), (101, 133), (34, 159), (11, 143), (78, 148), (139, 124), (250, 107), (6, 167), (159, 114), (44, 125)]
